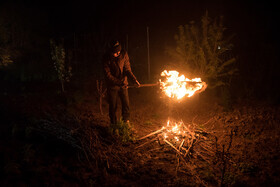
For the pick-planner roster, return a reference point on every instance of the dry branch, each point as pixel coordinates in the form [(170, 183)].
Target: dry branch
[(172, 146), (146, 143), (101, 94), (188, 144), (155, 132)]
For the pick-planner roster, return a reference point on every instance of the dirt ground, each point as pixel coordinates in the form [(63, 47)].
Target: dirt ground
[(56, 139)]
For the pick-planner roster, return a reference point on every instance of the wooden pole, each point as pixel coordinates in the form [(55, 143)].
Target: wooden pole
[(148, 50), (127, 43), (155, 132), (143, 85)]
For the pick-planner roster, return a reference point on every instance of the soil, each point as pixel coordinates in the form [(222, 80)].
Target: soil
[(54, 139)]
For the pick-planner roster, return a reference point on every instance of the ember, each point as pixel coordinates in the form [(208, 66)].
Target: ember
[(177, 135), (174, 130), (177, 86)]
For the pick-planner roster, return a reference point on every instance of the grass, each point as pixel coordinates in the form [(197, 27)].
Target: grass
[(123, 131)]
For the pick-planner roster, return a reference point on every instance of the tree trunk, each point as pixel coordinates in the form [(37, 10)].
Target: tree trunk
[(62, 85)]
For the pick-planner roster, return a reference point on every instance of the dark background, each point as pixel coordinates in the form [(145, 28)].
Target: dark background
[(86, 27), (42, 128)]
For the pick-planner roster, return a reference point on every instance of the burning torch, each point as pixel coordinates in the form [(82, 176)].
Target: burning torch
[(158, 84), (176, 86)]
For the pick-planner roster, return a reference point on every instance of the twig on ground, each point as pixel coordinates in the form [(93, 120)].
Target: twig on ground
[(172, 146), (155, 132), (146, 143)]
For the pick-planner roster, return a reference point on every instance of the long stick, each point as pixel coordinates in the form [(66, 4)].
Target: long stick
[(181, 144), (143, 85), (148, 48), (156, 84), (146, 143), (172, 146), (155, 132)]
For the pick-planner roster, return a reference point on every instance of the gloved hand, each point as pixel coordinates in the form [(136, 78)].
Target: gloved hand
[(123, 84), (138, 84)]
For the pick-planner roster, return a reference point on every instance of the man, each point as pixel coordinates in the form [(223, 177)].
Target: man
[(117, 69)]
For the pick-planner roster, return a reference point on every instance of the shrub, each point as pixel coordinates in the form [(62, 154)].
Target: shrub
[(58, 56), (203, 50)]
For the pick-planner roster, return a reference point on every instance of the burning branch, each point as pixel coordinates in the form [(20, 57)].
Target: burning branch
[(176, 135), (176, 86), (187, 143)]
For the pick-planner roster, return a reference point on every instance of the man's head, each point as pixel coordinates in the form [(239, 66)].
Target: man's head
[(116, 48)]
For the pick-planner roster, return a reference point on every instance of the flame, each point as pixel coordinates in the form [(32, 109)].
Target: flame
[(174, 131), (177, 86)]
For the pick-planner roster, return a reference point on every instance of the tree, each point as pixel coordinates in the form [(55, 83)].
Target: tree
[(24, 39), (5, 58), (58, 56), (203, 50)]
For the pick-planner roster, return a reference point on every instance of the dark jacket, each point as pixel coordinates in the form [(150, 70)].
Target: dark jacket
[(117, 69)]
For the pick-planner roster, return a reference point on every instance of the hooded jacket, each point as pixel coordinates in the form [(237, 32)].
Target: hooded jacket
[(117, 69)]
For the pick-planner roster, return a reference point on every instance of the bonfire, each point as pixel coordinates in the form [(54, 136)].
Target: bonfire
[(176, 134)]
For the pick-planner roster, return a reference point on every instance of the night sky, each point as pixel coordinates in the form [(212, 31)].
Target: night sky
[(250, 20), (253, 18), (254, 23), (246, 19)]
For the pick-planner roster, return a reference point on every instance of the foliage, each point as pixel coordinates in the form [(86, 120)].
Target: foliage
[(204, 50), (123, 131), (58, 56), (5, 58), (24, 43)]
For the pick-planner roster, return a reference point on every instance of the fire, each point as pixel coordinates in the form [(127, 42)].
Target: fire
[(174, 131), (178, 136), (178, 87), (183, 139)]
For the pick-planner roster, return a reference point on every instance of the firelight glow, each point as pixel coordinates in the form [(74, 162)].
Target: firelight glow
[(178, 87), (174, 131)]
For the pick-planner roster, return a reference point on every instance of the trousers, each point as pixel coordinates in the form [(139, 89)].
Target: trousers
[(114, 94)]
